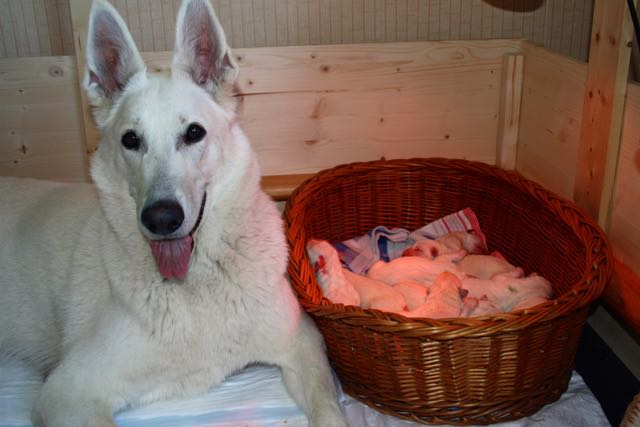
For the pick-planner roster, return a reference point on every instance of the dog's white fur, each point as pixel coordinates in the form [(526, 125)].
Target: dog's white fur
[(82, 297)]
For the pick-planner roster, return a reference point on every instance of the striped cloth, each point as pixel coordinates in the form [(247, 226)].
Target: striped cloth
[(382, 243)]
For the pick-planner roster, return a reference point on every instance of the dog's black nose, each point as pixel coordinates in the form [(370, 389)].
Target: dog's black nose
[(163, 217)]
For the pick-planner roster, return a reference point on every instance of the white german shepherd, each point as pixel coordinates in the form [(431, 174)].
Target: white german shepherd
[(169, 276)]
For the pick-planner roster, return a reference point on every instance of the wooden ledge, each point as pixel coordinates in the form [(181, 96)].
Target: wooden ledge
[(280, 187)]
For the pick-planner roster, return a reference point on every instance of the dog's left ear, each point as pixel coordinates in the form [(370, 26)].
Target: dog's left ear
[(201, 46)]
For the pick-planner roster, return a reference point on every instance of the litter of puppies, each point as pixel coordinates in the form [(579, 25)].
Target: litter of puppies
[(450, 276)]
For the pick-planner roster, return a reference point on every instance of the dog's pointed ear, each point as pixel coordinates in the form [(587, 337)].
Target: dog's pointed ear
[(112, 56), (201, 47)]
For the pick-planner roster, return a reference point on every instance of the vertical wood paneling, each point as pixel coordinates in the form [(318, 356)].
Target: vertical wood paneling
[(347, 21), (259, 27), (168, 20), (133, 20), (325, 21), (445, 20), (434, 19), (19, 28), (487, 24), (42, 24), (43, 27), (29, 15), (379, 20), (8, 37), (358, 21), (336, 21), (455, 19)]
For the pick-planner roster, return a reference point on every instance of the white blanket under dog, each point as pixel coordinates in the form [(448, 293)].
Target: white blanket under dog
[(256, 397)]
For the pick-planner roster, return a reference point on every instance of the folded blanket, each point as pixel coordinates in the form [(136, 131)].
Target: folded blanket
[(256, 397), (382, 243)]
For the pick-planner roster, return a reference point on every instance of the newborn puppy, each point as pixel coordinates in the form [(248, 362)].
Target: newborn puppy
[(376, 294), (508, 292), (414, 293), (446, 244), (466, 240), (427, 249), (329, 273), (415, 268), (487, 266), (444, 299), (482, 307)]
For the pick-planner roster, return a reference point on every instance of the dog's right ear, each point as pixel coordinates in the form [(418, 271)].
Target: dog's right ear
[(112, 57)]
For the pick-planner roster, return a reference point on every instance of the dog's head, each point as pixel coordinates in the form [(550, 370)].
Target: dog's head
[(168, 139)]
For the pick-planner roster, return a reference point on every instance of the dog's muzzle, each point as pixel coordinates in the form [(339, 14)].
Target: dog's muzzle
[(173, 255)]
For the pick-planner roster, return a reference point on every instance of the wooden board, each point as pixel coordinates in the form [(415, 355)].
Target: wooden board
[(605, 88), (509, 117), (309, 108), (553, 93), (624, 230), (40, 124), (304, 108)]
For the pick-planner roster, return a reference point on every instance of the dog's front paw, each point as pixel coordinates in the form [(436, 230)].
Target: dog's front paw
[(329, 417), (38, 420), (56, 411)]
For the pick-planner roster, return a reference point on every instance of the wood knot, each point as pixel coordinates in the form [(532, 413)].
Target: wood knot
[(325, 68), (56, 71), (597, 37)]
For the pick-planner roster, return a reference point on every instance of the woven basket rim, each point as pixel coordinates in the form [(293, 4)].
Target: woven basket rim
[(581, 294)]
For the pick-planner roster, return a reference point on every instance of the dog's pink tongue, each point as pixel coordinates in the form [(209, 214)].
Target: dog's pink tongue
[(172, 256)]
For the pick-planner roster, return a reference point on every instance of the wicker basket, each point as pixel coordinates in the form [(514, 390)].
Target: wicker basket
[(453, 371), (632, 414)]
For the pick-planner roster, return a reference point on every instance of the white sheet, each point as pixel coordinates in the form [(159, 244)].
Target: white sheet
[(256, 397)]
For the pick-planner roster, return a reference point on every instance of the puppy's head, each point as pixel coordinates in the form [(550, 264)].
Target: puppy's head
[(168, 139)]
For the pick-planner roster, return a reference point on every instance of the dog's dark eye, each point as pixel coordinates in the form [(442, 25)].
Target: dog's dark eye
[(194, 134), (130, 140)]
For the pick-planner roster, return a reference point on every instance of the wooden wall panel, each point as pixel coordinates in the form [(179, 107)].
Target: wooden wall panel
[(40, 124), (623, 294), (341, 103), (550, 118), (43, 27), (624, 229)]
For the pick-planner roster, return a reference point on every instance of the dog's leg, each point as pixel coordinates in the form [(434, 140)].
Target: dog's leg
[(117, 365), (83, 391), (308, 378)]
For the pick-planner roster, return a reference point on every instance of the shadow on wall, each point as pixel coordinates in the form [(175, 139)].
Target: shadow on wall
[(521, 6)]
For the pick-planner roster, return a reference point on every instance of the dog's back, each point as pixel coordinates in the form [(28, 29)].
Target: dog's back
[(38, 229)]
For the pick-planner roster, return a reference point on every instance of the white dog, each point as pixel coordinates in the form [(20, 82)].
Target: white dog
[(171, 275)]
